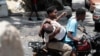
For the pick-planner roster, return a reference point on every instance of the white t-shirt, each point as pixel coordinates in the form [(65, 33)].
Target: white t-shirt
[(62, 32), (60, 35)]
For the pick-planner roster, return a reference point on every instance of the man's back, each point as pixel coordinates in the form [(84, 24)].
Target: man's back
[(71, 27)]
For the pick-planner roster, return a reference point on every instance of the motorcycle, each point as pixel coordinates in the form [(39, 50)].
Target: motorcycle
[(84, 47), (89, 43)]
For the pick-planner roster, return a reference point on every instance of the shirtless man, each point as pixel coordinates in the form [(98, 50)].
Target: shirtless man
[(58, 45)]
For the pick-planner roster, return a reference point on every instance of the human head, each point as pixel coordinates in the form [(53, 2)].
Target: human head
[(48, 28), (52, 12), (10, 43), (80, 14)]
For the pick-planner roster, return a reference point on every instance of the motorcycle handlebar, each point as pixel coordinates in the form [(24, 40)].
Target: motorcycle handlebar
[(36, 44), (92, 37)]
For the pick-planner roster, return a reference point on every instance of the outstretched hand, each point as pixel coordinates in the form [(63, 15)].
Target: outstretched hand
[(61, 15), (64, 14)]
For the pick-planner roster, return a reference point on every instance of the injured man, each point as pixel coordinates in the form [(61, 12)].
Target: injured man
[(53, 31)]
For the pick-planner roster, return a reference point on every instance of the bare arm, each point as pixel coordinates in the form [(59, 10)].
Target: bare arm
[(71, 36), (41, 32), (52, 35), (61, 15)]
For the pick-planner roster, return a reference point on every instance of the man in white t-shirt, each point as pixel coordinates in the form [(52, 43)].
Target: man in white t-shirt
[(50, 27)]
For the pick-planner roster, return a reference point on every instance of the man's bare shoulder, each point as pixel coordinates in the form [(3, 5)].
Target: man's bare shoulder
[(47, 19)]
